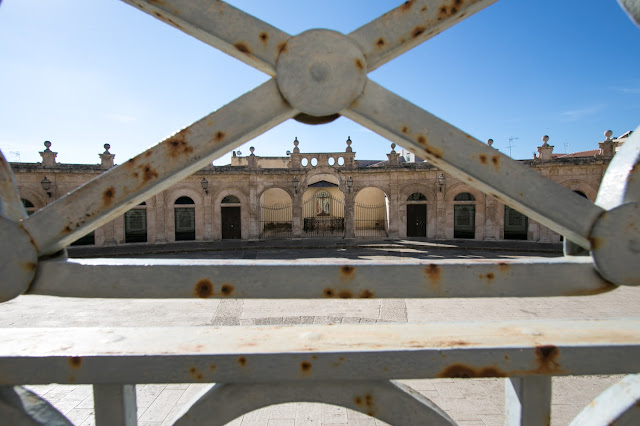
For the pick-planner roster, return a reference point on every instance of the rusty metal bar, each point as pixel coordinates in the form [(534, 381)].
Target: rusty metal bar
[(618, 405), (388, 401), (472, 161), (528, 401), (258, 354), (182, 278), (222, 26), (114, 192), (410, 24)]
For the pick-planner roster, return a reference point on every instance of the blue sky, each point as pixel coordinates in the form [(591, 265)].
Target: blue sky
[(84, 73)]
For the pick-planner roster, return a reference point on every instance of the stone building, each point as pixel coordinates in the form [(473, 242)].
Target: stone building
[(306, 195)]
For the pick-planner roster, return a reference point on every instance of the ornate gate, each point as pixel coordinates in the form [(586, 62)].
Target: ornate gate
[(323, 216), (276, 221), (349, 365), (370, 220)]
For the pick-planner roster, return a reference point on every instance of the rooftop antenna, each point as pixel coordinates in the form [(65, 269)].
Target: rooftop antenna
[(511, 139), (17, 154), (566, 147)]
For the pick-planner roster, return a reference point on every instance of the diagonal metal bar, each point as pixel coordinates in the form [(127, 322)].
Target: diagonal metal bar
[(10, 205), (181, 278), (222, 26), (472, 161), (410, 24), (112, 193), (389, 401), (258, 354)]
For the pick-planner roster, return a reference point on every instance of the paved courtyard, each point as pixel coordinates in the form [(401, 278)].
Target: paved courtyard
[(468, 401)]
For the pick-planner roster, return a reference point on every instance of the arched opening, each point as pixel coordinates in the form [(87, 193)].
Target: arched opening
[(371, 213), (276, 212), (417, 215), (185, 219), (323, 210), (464, 216), (135, 224), (516, 225), (230, 215), (28, 206)]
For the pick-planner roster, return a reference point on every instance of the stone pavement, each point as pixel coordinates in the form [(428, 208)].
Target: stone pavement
[(468, 401)]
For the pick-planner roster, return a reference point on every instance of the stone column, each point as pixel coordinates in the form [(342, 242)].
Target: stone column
[(441, 211), (110, 233), (160, 224), (296, 217), (394, 214), (491, 219), (48, 156), (254, 206), (349, 214), (208, 217)]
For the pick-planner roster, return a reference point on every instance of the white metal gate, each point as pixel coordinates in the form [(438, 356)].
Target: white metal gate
[(352, 365)]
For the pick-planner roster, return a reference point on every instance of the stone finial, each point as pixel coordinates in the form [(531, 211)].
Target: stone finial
[(393, 148), (252, 149), (106, 158), (490, 142), (48, 156), (607, 147), (296, 150), (545, 152), (349, 149), (393, 156)]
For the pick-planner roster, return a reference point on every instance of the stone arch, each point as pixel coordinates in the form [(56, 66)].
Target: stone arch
[(432, 216), (38, 199), (584, 187), (371, 212), (170, 199), (275, 213), (449, 197), (246, 213)]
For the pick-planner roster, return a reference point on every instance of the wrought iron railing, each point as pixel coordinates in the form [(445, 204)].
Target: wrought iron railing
[(318, 75)]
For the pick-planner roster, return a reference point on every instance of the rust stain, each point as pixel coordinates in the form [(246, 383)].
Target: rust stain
[(442, 13), (345, 294), (305, 366), (422, 140), (149, 173), (219, 136), (483, 159), (67, 229), (462, 371), (489, 276), (503, 266), (367, 402), (212, 367), (29, 266), (380, 43), (424, 9), (596, 243), (108, 195), (417, 31), (603, 289), (195, 373), (203, 288), (75, 361), (242, 47), (33, 242), (347, 271), (496, 161), (227, 289), (359, 64), (314, 356), (547, 359), (366, 294), (282, 48), (131, 162), (146, 154), (328, 292), (264, 37), (178, 145), (406, 6), (433, 273), (405, 129), (242, 361)]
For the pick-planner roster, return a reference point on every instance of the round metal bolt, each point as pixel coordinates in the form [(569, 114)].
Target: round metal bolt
[(321, 72), (615, 244), (18, 260)]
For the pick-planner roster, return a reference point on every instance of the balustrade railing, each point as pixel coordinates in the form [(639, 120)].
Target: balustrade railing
[(350, 365)]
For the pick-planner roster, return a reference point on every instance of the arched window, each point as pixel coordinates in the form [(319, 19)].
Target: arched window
[(230, 199), (417, 196), (582, 194), (185, 219), (464, 216), (135, 224), (28, 206), (516, 225), (417, 215)]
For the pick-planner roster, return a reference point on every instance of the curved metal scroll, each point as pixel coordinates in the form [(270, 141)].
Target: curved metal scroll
[(619, 405)]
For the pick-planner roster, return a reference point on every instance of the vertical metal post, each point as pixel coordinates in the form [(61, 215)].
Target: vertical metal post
[(528, 401), (115, 405)]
